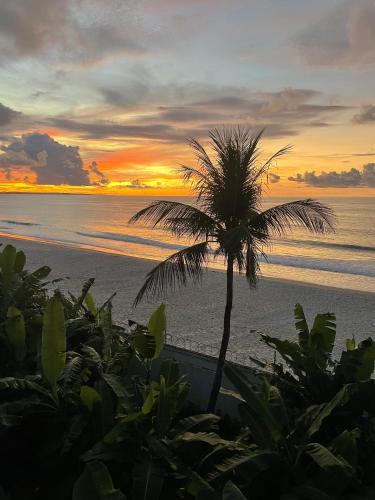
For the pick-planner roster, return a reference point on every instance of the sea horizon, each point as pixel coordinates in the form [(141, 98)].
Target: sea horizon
[(342, 260)]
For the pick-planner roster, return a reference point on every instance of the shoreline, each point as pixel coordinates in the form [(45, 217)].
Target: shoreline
[(195, 313), (108, 251)]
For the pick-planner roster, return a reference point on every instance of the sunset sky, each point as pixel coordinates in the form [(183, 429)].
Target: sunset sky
[(127, 81)]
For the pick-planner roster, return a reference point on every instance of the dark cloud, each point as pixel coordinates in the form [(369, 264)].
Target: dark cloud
[(138, 184), (7, 115), (97, 177), (51, 161), (69, 30), (101, 130), (366, 115), (345, 179), (273, 178), (27, 27), (188, 114), (282, 113), (345, 36)]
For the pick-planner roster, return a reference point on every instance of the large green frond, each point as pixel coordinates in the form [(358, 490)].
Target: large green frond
[(175, 271), (310, 214)]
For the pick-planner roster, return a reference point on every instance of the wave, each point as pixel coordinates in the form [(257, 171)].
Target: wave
[(353, 267), (20, 223), (127, 238), (326, 244), (358, 268)]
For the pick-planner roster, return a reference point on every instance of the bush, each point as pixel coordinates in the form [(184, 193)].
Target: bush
[(85, 414)]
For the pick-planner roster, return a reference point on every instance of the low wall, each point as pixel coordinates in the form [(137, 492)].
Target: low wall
[(199, 370)]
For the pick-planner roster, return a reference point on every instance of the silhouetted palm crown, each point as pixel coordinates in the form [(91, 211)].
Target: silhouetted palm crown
[(227, 219)]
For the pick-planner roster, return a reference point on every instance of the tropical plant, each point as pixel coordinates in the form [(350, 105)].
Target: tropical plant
[(48, 419), (156, 452), (226, 220), (318, 456), (22, 299), (311, 375)]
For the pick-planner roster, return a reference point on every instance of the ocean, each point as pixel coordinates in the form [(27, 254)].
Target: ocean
[(345, 259)]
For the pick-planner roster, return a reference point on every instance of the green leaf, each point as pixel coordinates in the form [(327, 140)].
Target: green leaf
[(105, 317), (345, 445), (322, 337), (329, 462), (357, 364), (116, 383), (89, 396), (324, 410), (165, 410), (199, 488), (169, 369), (40, 274), (7, 262), (247, 463), (156, 326), (350, 344), (15, 329), (95, 483), (290, 351), (151, 398), (20, 262), (232, 492), (105, 411), (196, 423), (301, 326), (202, 437), (22, 384), (144, 345), (89, 301), (147, 482), (262, 422), (53, 341)]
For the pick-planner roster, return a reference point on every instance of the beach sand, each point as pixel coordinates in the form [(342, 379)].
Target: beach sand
[(195, 313)]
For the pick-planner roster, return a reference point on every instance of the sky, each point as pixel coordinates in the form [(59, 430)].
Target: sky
[(99, 96)]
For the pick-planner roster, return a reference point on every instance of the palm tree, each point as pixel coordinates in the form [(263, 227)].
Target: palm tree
[(226, 220)]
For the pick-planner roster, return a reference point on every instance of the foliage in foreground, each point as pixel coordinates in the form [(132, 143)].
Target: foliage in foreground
[(92, 412)]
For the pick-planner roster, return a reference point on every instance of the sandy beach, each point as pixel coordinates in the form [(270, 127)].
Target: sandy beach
[(195, 313)]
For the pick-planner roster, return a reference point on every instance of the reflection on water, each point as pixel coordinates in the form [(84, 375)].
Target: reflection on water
[(346, 259)]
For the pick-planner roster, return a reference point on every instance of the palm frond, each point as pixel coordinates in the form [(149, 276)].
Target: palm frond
[(175, 271), (310, 214), (202, 156), (179, 218), (252, 264), (188, 173), (269, 163)]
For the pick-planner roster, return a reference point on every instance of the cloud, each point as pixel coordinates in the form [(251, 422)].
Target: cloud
[(49, 161), (133, 184), (7, 115), (137, 184), (344, 179), (105, 129), (96, 175), (345, 36), (69, 30), (27, 27), (366, 115), (273, 178), (282, 113)]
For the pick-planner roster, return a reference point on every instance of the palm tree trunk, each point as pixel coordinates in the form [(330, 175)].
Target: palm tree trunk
[(225, 340)]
